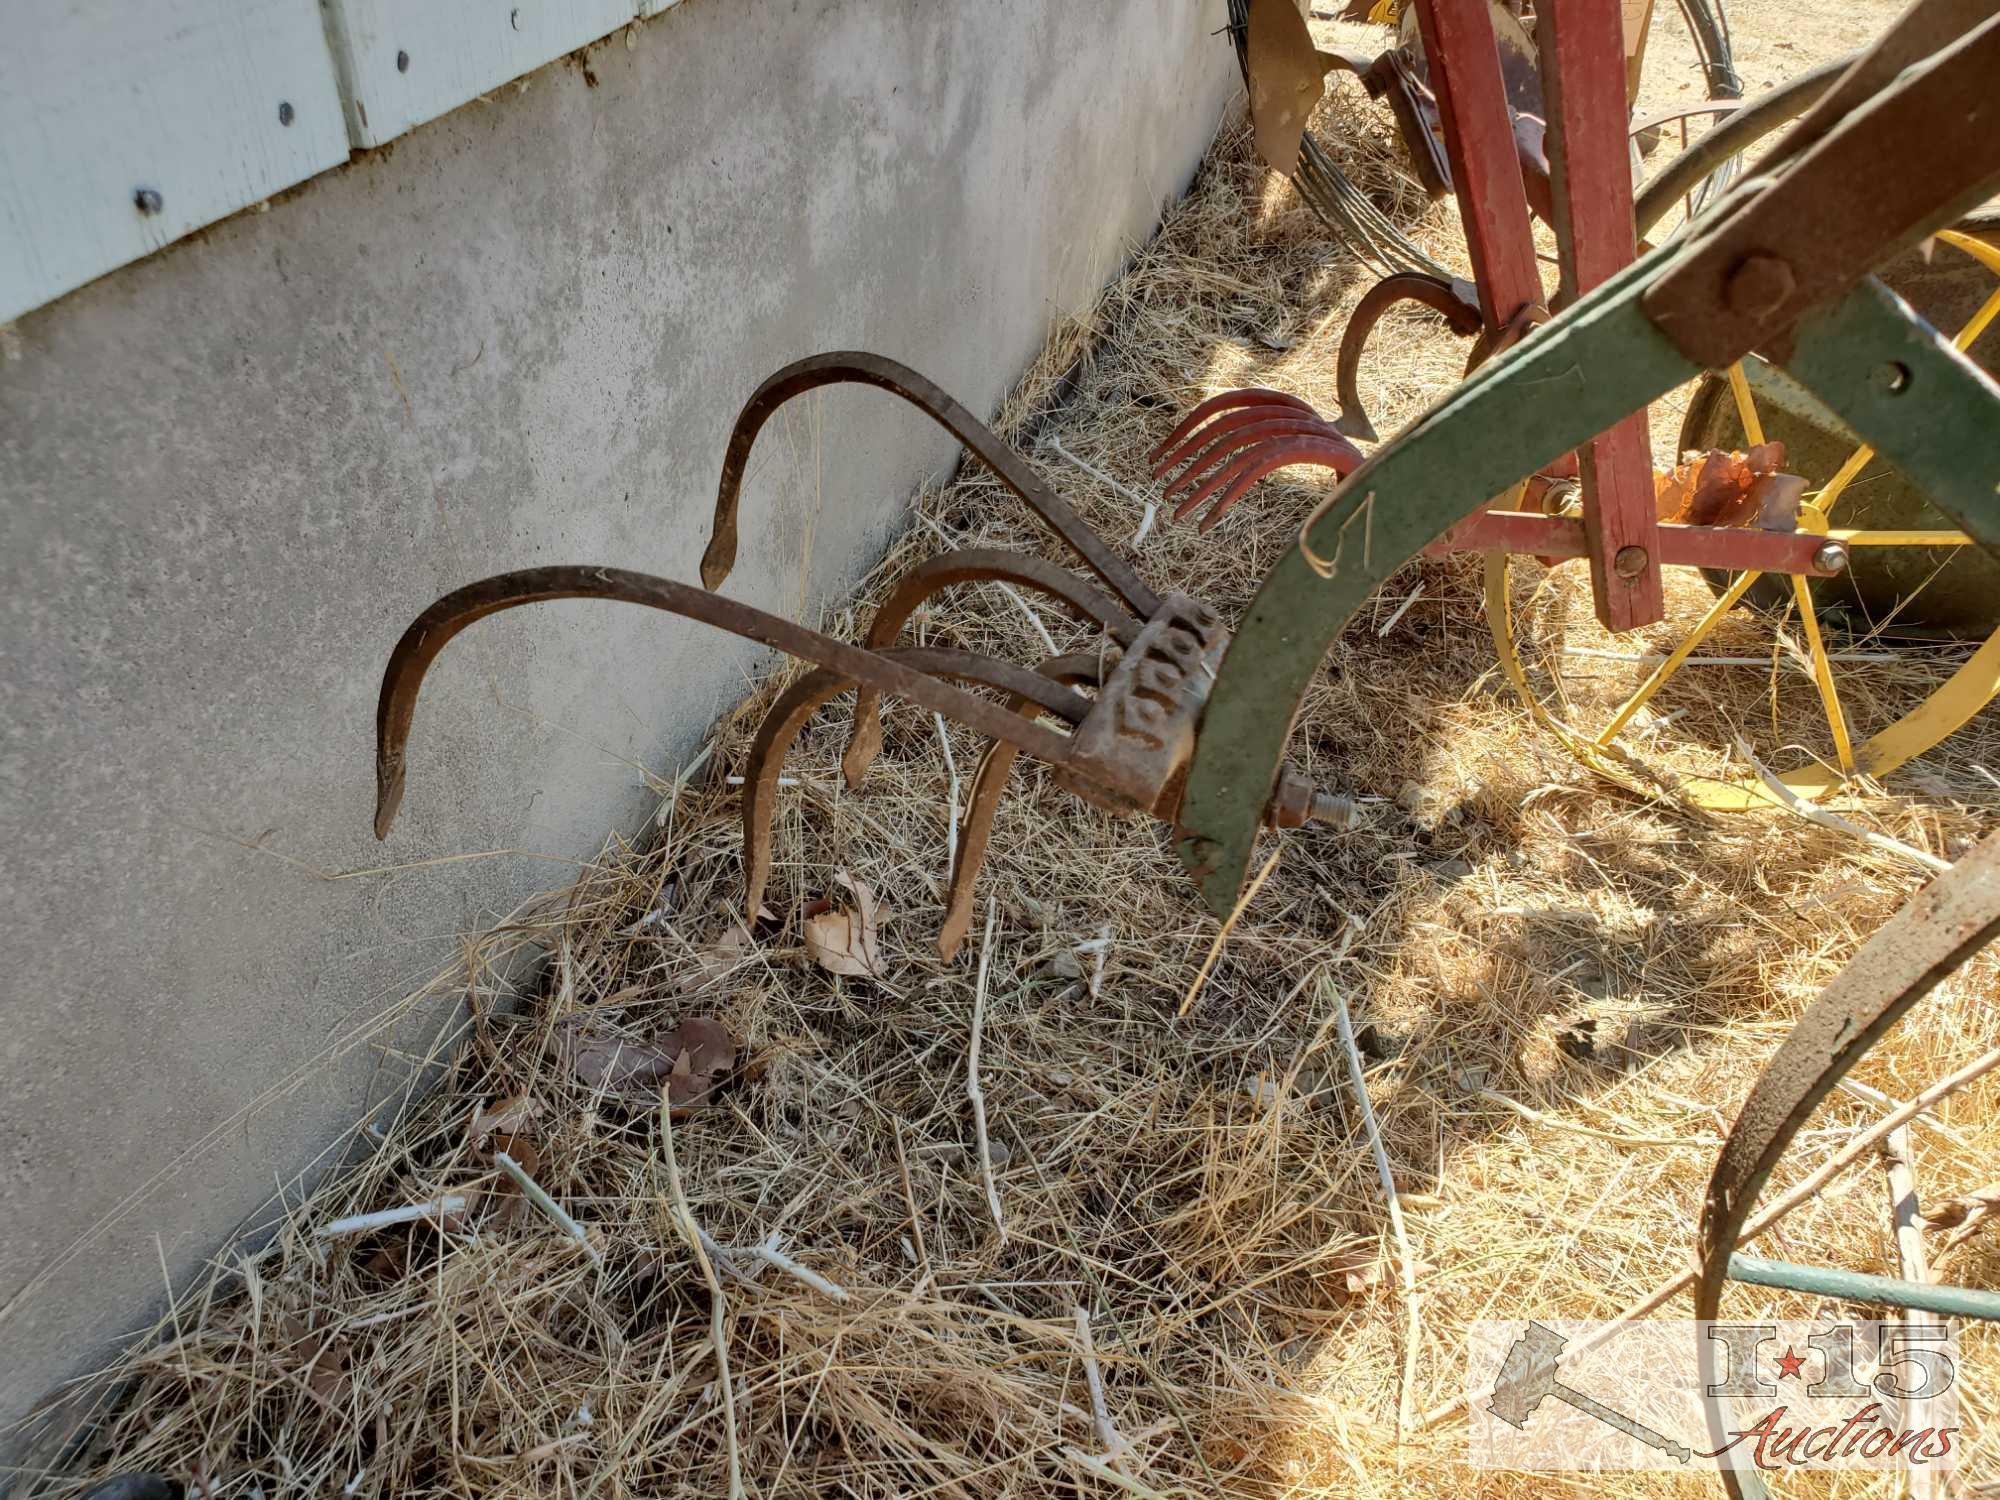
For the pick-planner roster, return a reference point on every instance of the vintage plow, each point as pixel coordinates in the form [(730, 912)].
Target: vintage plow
[(1176, 718)]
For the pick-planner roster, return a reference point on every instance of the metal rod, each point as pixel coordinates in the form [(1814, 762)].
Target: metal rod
[(1858, 1286)]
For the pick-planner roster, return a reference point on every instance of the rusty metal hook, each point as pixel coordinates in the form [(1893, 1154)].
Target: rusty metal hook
[(432, 630), (898, 379), (1457, 301), (975, 830), (789, 715)]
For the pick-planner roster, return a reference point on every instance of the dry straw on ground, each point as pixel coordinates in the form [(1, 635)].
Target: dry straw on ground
[(1561, 992)]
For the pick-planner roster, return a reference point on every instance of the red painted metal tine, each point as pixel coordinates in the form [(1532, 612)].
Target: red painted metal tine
[(1228, 421), (1245, 437), (1249, 395), (1327, 452)]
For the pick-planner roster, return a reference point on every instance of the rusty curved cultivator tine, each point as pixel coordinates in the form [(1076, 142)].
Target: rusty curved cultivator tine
[(432, 630), (1327, 452), (1456, 301), (1278, 403), (789, 715), (975, 831), (898, 379), (1083, 600), (1246, 435)]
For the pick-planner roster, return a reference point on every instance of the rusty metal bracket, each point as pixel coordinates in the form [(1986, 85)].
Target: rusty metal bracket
[(1394, 77)]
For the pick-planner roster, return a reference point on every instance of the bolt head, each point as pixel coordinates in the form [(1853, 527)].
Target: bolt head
[(286, 114), (402, 62), (148, 201), (1630, 562), (1830, 558), (1891, 377), (1760, 285)]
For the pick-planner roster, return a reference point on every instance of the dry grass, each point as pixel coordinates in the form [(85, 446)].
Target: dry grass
[(1200, 1185)]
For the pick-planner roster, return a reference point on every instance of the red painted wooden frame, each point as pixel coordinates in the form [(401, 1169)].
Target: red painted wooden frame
[(1582, 47), (1464, 59)]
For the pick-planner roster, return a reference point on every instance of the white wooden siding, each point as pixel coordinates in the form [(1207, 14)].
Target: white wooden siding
[(406, 62), (104, 100), (124, 126)]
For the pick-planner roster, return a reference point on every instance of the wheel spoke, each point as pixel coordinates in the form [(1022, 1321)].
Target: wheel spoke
[(1822, 671), (1680, 653), (1746, 409)]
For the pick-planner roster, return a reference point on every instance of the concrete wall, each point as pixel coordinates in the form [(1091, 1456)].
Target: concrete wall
[(230, 474)]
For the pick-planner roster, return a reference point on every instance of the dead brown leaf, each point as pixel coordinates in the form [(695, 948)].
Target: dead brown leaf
[(321, 1360), (1361, 1267), (842, 939), (685, 1061), (715, 959), (510, 1116), (505, 1201)]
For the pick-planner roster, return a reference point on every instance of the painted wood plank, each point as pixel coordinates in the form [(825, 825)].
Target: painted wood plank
[(1485, 162), (405, 63), (1582, 47), (124, 127)]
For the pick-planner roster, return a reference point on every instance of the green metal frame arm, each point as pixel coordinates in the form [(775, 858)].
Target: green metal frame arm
[(1908, 391), (1560, 387)]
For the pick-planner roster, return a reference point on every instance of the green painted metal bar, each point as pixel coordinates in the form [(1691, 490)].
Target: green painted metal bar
[(1858, 1286), (1561, 386), (1904, 388)]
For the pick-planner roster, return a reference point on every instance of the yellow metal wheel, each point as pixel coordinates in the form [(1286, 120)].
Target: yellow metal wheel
[(1837, 763)]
